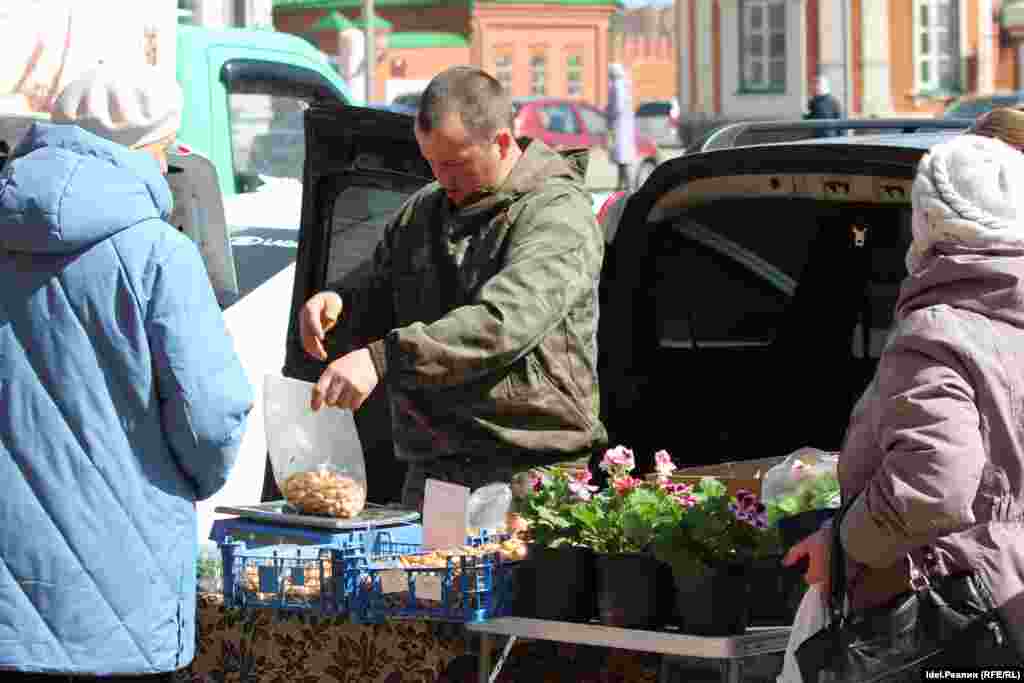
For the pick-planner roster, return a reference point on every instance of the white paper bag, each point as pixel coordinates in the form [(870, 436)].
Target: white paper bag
[(811, 617)]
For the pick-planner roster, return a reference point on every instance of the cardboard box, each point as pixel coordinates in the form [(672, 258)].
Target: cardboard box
[(745, 474)]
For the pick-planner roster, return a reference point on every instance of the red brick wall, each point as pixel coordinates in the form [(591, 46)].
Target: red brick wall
[(556, 29), (1007, 68), (857, 57), (813, 53), (426, 63)]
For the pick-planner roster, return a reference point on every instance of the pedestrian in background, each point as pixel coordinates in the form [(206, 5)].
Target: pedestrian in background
[(122, 401), (621, 125), (824, 105)]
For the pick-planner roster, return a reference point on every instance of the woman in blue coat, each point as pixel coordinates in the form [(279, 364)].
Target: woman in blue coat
[(122, 401)]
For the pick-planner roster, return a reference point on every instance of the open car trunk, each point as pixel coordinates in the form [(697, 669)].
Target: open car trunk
[(747, 296), (361, 165)]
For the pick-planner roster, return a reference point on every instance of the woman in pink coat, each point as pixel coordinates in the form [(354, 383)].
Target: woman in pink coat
[(934, 451)]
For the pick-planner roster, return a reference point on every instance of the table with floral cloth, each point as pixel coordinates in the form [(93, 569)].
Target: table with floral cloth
[(265, 646)]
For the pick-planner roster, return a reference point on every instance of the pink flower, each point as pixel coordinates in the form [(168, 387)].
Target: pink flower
[(583, 476), (800, 470), (536, 481), (626, 484), (581, 489), (687, 500), (663, 464), (620, 458)]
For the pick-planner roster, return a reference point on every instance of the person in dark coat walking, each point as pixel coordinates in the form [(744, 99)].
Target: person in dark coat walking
[(824, 105)]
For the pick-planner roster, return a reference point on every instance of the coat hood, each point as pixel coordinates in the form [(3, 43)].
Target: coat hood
[(538, 166), (986, 281), (64, 189)]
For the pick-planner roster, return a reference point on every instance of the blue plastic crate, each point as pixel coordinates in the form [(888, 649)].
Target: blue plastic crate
[(366, 539), (468, 589), (289, 577)]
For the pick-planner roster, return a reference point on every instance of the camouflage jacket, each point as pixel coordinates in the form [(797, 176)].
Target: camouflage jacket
[(482, 320)]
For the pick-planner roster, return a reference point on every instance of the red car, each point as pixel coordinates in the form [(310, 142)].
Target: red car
[(564, 123)]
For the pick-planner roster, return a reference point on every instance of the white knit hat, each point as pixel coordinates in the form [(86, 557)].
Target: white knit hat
[(133, 106), (967, 191)]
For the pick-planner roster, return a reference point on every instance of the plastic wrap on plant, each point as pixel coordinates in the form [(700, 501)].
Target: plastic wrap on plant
[(799, 467)]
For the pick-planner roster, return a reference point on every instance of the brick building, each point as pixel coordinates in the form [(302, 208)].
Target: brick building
[(747, 58), (550, 47)]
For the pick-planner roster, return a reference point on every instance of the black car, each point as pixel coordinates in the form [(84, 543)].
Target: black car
[(750, 287), (745, 297)]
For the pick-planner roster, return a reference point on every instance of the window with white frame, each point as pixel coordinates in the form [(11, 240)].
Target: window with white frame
[(763, 44), (574, 74), (538, 72), (937, 45)]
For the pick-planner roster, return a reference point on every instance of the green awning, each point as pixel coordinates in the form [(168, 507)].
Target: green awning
[(420, 39), (334, 21)]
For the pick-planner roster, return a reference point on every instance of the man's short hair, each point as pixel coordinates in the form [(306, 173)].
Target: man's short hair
[(478, 98)]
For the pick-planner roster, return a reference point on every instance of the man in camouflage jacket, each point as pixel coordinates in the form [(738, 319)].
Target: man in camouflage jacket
[(481, 316)]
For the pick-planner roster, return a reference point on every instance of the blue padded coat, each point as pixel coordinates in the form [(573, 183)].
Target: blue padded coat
[(122, 402)]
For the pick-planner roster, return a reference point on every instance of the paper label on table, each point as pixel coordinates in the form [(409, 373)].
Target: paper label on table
[(393, 580), (428, 586), (445, 509)]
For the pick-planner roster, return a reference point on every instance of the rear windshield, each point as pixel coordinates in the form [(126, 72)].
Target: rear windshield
[(767, 330)]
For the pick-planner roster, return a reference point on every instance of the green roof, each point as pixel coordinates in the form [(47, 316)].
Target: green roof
[(335, 21), (293, 5), (601, 3), (418, 39)]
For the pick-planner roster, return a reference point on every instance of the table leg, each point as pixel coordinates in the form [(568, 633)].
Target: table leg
[(484, 674), (666, 669), (732, 671)]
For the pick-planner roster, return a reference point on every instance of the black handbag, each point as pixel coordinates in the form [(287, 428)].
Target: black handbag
[(915, 630)]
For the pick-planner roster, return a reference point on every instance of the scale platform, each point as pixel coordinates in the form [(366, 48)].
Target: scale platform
[(277, 523)]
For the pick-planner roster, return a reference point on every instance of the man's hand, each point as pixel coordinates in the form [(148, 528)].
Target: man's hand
[(316, 318), (346, 382), (816, 549)]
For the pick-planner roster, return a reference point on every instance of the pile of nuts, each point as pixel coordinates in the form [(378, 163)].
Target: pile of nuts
[(511, 550), (325, 492), (309, 590)]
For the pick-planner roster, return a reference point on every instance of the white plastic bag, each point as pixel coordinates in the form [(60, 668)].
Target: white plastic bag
[(317, 457), (800, 465), (811, 617)]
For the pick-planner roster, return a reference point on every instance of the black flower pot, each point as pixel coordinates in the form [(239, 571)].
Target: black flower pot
[(716, 603), (796, 528), (561, 584), (777, 591), (627, 590)]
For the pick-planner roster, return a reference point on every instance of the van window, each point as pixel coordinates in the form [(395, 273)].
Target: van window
[(267, 138)]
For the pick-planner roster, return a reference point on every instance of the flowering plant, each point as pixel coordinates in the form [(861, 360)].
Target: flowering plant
[(624, 517), (812, 491), (544, 499), (716, 530)]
